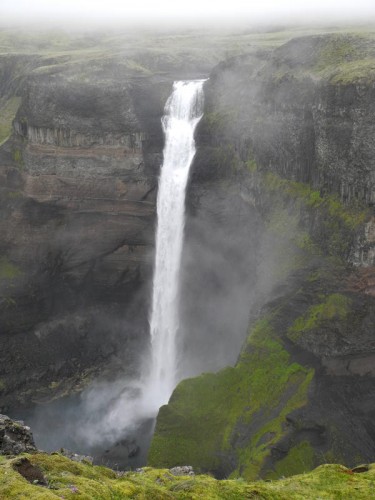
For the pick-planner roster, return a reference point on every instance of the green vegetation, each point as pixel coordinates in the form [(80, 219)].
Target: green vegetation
[(7, 269), (355, 71), (8, 110), (337, 50), (17, 156), (346, 59), (69, 480), (338, 223), (215, 123), (299, 458), (335, 306), (213, 413), (144, 53), (351, 216), (14, 194)]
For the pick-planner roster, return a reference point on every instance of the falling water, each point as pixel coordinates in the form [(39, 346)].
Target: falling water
[(183, 112), (116, 410)]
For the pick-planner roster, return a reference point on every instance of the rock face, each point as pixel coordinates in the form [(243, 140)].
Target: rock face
[(78, 184), (15, 437), (293, 132)]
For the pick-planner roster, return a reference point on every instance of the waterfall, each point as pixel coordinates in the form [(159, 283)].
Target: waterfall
[(116, 409), (183, 111)]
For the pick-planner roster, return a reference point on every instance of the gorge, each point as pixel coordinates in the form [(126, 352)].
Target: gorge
[(276, 373)]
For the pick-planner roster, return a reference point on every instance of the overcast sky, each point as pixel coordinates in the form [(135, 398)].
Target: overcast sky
[(133, 11)]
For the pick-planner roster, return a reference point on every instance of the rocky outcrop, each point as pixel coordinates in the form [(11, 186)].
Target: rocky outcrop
[(15, 437)]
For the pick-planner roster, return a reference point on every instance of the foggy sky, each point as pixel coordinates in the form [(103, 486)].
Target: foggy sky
[(149, 11)]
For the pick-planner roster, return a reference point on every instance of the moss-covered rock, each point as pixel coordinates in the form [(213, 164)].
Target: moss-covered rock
[(69, 480), (8, 110), (229, 421)]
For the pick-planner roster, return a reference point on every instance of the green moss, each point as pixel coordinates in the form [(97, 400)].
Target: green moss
[(251, 165), (350, 215), (336, 50), (214, 121), (136, 66), (346, 60), (2, 385), (335, 306), (355, 72), (14, 194), (54, 384), (8, 110), (8, 270), (17, 157), (206, 414), (299, 459), (337, 223), (70, 480), (281, 221)]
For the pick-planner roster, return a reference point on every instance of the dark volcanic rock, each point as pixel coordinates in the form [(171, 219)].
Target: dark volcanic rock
[(291, 135), (299, 112), (78, 185), (15, 437)]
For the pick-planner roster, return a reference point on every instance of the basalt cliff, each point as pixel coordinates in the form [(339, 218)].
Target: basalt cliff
[(78, 181), (288, 136)]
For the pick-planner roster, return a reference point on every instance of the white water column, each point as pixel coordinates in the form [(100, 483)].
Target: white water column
[(183, 111)]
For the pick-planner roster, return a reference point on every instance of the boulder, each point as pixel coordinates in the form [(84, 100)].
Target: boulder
[(15, 437)]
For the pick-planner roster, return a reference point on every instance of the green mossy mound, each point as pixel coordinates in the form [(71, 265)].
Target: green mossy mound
[(237, 413), (69, 480)]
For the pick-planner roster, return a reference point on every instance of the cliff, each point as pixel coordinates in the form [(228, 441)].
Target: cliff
[(78, 180), (80, 150), (291, 134)]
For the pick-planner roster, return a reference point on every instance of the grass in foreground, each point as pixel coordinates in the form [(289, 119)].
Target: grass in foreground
[(69, 480)]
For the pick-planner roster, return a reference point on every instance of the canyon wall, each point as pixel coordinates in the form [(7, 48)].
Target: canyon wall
[(291, 134), (78, 184)]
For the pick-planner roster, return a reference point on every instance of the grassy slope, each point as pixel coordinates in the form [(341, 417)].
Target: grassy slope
[(344, 58), (143, 51), (8, 110), (200, 422), (69, 480)]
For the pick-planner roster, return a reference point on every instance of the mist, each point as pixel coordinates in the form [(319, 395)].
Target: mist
[(166, 13)]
